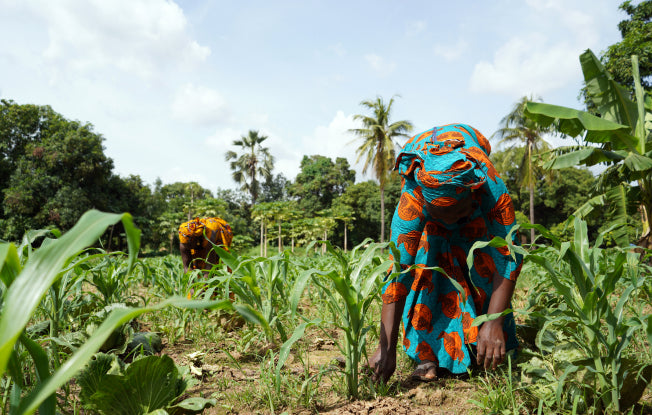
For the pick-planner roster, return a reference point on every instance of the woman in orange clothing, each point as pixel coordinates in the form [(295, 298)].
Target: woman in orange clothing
[(451, 197), (196, 239)]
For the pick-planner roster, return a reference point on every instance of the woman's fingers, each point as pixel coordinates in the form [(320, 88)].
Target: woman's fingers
[(491, 354)]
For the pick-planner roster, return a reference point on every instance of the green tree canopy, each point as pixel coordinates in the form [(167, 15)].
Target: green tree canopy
[(320, 181), (253, 164), (363, 200), (517, 130), (53, 169), (378, 135), (636, 35)]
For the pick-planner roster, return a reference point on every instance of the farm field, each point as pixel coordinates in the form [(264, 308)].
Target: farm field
[(292, 336)]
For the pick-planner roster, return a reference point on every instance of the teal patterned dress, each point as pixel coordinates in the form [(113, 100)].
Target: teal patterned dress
[(441, 166)]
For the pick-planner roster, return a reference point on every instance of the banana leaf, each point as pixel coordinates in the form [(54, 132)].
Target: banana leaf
[(611, 99)]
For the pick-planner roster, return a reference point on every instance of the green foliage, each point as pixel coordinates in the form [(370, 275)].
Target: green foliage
[(585, 336), (620, 136), (261, 284), (555, 200), (356, 281), (636, 33), (363, 199), (255, 162), (146, 385), (321, 181), (378, 135)]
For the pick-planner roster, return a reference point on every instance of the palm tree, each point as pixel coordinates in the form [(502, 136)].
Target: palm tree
[(517, 129), (379, 145), (255, 162)]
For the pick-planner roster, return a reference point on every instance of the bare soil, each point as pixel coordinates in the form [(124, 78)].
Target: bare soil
[(221, 377)]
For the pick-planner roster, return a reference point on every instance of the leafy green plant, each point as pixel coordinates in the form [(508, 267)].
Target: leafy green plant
[(26, 283), (350, 291), (149, 384), (621, 140), (262, 285), (499, 392), (592, 317)]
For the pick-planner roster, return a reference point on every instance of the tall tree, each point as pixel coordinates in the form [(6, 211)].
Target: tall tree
[(378, 146), (320, 181), (51, 169), (636, 35), (516, 131), (255, 162)]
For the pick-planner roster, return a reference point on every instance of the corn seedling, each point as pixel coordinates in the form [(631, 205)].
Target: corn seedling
[(350, 291), (593, 316)]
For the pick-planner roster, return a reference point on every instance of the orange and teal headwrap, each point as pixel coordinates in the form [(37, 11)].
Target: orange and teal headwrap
[(442, 168)]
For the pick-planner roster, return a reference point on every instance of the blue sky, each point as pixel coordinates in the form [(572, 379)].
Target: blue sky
[(170, 85)]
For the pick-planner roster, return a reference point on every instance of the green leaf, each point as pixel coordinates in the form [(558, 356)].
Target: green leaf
[(89, 379), (43, 267), (9, 263), (298, 288), (611, 99), (574, 122), (76, 362), (254, 316), (490, 317), (589, 156), (42, 364), (637, 162), (284, 352), (191, 406), (148, 384)]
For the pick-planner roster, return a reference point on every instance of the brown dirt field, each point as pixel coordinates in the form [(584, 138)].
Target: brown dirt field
[(220, 377)]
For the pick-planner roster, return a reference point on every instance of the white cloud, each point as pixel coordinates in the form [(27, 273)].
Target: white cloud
[(450, 52), (524, 64), (379, 65), (570, 15), (334, 140), (141, 37), (222, 139), (199, 105)]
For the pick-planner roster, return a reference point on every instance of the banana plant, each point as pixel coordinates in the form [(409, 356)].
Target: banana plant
[(620, 137)]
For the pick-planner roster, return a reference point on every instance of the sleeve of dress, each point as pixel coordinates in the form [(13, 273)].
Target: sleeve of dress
[(500, 219), (407, 226)]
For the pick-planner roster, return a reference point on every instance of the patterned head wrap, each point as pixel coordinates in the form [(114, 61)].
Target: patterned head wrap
[(441, 165)]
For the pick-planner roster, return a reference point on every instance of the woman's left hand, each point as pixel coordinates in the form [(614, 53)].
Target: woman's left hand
[(491, 344)]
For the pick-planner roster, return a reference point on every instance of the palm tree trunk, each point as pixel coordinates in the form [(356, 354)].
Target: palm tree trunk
[(531, 212), (531, 188), (280, 239), (344, 236), (382, 213)]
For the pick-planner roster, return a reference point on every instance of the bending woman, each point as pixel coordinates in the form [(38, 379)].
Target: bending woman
[(451, 197)]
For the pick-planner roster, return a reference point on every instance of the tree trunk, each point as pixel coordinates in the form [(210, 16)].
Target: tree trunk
[(280, 239), (262, 238), (344, 236), (531, 188), (532, 213), (382, 213), (266, 241), (323, 246)]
